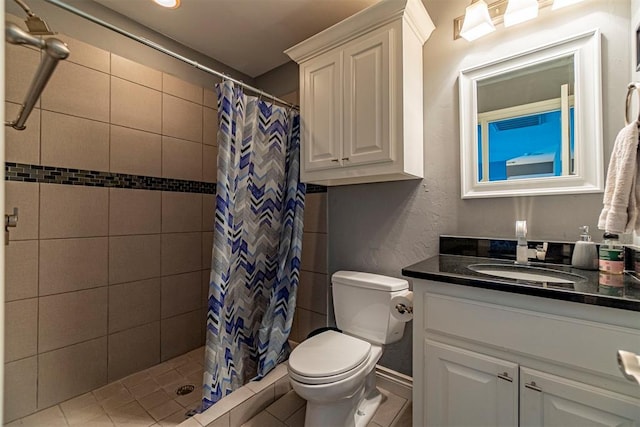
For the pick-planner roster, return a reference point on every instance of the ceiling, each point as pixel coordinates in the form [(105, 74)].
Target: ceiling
[(248, 35)]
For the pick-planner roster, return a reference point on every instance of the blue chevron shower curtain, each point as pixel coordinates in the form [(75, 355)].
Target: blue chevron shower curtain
[(257, 241)]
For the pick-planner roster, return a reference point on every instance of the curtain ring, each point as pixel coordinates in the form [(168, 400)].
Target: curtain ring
[(633, 86)]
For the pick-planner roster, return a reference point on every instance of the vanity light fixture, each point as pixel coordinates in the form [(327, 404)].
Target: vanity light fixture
[(520, 11), (480, 18), (170, 4), (477, 21)]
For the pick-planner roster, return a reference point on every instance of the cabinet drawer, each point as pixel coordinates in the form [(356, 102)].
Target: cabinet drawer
[(583, 344)]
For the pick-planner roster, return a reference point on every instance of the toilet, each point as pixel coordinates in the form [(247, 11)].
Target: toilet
[(335, 372)]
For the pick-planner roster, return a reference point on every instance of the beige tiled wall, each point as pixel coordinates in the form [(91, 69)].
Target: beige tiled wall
[(103, 282), (311, 300)]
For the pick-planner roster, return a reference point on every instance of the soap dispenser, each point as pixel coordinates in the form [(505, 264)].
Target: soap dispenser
[(585, 254)]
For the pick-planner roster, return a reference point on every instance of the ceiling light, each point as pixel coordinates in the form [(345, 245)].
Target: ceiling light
[(477, 21), (520, 11), (172, 4), (557, 4)]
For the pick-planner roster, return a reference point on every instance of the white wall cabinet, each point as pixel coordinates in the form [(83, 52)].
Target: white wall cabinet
[(483, 357), (361, 96)]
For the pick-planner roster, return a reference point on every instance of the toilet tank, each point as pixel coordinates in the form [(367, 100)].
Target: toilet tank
[(362, 305)]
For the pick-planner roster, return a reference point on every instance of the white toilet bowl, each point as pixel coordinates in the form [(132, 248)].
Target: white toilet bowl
[(335, 374)]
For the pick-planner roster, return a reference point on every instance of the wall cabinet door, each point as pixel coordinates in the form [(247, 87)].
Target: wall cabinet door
[(367, 137), (321, 112), (464, 388), (551, 401)]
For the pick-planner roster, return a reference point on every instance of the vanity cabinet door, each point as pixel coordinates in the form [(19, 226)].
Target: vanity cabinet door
[(321, 112), (464, 388), (367, 137), (552, 401)]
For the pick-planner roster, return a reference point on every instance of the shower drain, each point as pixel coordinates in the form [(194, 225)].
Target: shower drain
[(185, 389), (191, 412)]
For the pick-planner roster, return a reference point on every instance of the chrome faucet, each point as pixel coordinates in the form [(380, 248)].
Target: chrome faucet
[(522, 250)]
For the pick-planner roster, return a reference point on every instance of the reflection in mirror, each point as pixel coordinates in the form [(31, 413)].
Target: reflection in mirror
[(525, 122), (531, 123)]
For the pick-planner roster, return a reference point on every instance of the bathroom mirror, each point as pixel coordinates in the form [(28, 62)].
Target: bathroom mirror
[(531, 123)]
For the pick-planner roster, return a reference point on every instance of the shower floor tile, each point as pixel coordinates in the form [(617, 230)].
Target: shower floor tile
[(146, 398)]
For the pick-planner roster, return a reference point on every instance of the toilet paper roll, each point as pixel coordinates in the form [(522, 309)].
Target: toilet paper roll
[(402, 306)]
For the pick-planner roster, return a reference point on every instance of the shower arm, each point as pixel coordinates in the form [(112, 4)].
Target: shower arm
[(24, 7), (54, 49)]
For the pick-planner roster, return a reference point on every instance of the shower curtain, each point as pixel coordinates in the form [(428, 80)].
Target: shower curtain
[(257, 241)]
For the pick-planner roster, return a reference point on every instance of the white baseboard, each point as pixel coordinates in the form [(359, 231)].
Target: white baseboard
[(395, 382)]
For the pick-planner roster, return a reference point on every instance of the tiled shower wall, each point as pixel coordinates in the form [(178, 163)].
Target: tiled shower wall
[(103, 282), (311, 302)]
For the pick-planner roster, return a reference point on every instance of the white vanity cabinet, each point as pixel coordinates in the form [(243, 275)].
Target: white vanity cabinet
[(491, 358), (361, 96)]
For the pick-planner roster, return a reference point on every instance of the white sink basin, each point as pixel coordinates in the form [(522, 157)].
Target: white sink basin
[(527, 273)]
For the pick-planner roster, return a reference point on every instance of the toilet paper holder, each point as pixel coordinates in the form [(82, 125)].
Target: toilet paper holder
[(403, 308)]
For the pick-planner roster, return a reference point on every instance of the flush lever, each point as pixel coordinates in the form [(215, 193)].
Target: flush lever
[(10, 220), (402, 308)]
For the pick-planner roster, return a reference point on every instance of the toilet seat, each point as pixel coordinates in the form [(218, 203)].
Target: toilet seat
[(328, 357)]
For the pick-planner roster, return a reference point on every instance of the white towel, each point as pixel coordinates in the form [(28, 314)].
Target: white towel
[(621, 195)]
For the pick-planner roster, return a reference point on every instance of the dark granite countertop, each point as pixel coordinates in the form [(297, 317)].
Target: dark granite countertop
[(625, 294)]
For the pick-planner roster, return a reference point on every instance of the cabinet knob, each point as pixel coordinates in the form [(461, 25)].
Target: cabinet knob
[(345, 158), (335, 160)]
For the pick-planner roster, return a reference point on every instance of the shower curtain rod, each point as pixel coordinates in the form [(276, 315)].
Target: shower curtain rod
[(166, 51)]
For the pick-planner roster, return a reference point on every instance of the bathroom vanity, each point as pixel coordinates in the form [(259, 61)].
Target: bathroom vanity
[(505, 352)]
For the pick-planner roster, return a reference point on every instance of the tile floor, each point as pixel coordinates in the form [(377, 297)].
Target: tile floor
[(289, 411), (148, 399)]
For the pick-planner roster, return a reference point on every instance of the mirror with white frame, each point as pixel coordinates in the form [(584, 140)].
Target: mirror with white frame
[(531, 123)]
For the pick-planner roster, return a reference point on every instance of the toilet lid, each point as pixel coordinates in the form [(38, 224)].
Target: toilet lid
[(329, 353)]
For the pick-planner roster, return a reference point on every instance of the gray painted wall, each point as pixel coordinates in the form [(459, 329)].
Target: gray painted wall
[(281, 80), (383, 227)]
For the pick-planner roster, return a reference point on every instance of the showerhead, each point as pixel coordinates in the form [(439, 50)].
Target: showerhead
[(36, 25)]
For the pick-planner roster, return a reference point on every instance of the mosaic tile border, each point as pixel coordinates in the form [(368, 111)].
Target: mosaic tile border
[(69, 176), (315, 188)]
